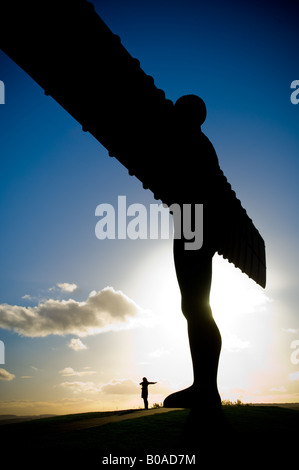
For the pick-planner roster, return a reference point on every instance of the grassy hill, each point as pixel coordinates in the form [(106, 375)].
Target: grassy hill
[(250, 433)]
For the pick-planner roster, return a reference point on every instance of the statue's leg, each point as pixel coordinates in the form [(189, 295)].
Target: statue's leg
[(194, 273)]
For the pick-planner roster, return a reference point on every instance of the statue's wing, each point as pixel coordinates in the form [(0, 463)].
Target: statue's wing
[(241, 243), (72, 54)]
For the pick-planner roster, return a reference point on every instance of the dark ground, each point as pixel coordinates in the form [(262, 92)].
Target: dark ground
[(253, 435)]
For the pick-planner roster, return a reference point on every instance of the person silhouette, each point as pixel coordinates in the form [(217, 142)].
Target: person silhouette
[(199, 178), (144, 390)]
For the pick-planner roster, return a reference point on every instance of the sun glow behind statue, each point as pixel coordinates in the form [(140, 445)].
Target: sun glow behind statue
[(240, 308)]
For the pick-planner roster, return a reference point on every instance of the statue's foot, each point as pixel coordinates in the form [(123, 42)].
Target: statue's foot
[(191, 397), (206, 426), (182, 399)]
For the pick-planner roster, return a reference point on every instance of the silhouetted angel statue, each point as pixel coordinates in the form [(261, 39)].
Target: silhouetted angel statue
[(85, 68)]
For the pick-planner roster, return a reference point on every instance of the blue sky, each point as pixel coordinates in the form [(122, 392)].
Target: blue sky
[(240, 57)]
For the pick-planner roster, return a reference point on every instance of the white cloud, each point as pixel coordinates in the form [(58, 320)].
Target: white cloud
[(232, 343), (115, 387), (104, 310), (69, 371), (121, 387), (81, 387), (158, 353), (67, 287), (27, 297), (290, 330), (5, 375), (294, 376), (76, 344), (278, 389)]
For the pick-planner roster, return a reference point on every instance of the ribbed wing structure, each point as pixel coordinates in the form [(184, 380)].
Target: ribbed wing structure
[(242, 243), (71, 53)]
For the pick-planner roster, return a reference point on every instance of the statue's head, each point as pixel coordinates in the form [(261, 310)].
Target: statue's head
[(191, 109)]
